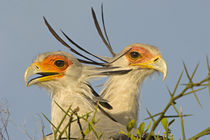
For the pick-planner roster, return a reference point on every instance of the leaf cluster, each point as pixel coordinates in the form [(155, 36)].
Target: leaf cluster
[(162, 118), (73, 117)]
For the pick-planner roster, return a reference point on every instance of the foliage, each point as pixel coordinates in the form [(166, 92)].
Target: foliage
[(73, 116), (189, 88)]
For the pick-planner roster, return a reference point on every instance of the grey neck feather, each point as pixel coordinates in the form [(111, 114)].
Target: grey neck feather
[(123, 92)]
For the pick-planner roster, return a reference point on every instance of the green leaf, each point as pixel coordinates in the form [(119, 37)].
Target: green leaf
[(141, 127), (87, 130), (132, 137), (148, 127), (164, 123), (122, 132), (140, 130), (130, 125)]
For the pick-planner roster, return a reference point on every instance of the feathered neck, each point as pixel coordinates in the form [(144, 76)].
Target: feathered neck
[(67, 91), (122, 92)]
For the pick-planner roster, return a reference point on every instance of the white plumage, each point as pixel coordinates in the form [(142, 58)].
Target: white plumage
[(123, 91), (67, 82)]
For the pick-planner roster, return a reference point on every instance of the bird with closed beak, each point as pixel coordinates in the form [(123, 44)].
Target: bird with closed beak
[(123, 91)]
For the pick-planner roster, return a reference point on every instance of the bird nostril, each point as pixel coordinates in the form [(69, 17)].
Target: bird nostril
[(156, 59), (36, 67)]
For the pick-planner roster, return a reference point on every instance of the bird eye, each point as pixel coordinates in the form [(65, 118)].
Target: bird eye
[(135, 55), (59, 63)]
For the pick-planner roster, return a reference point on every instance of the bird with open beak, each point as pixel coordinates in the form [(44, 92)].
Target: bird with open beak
[(66, 79)]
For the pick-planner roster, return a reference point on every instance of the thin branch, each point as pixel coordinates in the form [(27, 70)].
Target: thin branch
[(80, 127), (202, 133), (190, 92), (208, 67), (150, 115), (182, 124), (153, 116), (177, 83), (172, 100)]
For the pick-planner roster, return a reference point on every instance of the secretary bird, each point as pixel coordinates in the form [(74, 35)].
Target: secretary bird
[(66, 79), (123, 91)]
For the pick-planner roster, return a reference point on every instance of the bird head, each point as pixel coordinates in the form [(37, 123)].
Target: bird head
[(144, 57), (51, 69)]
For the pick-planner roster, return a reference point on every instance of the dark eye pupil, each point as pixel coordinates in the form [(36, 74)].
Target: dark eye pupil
[(134, 54), (59, 63)]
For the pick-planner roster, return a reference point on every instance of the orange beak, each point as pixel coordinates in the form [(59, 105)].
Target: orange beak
[(44, 72)]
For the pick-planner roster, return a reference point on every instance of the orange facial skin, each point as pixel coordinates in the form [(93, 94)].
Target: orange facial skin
[(141, 57), (51, 68), (48, 64), (145, 55)]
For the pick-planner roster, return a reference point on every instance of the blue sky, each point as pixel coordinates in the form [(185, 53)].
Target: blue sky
[(180, 29)]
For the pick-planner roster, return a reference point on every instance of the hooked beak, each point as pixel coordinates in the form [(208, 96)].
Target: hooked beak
[(158, 63), (44, 74)]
